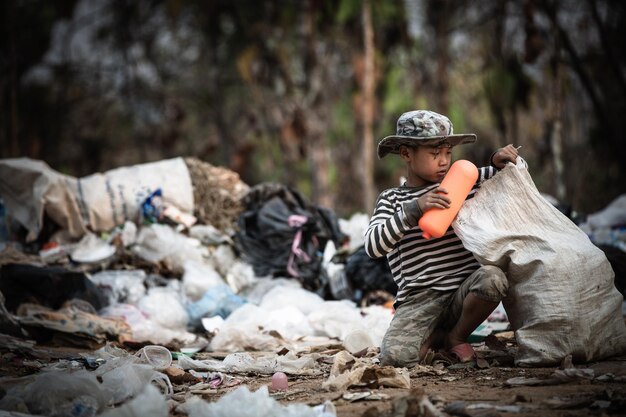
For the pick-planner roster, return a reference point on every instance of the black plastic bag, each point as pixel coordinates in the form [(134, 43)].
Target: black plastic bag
[(366, 275), (50, 286), (282, 235)]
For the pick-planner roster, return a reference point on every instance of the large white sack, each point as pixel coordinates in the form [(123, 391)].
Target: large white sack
[(562, 299), (109, 199), (31, 188), (98, 202)]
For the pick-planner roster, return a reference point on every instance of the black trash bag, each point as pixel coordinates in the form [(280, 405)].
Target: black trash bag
[(617, 259), (366, 275), (50, 286), (282, 235)]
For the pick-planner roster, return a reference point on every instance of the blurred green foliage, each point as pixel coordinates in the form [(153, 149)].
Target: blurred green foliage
[(266, 88)]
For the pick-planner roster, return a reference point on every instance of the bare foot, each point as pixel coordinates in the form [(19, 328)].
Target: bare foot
[(453, 340), (434, 342)]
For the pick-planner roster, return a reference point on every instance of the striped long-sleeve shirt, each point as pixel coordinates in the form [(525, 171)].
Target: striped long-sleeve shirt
[(416, 263)]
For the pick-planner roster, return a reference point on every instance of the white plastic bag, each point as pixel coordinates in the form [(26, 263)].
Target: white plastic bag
[(243, 403), (198, 278), (562, 299), (150, 402)]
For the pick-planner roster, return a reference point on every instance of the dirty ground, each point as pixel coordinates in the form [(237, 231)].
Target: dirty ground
[(488, 386)]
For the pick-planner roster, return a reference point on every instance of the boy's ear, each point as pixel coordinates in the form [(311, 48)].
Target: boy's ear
[(405, 152)]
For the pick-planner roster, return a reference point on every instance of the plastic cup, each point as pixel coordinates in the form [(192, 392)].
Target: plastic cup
[(158, 357)]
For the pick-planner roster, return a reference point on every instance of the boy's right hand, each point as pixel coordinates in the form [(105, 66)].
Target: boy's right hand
[(435, 198)]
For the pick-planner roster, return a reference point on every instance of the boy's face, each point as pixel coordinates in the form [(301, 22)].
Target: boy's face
[(426, 164)]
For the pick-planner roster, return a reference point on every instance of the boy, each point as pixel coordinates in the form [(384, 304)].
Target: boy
[(443, 292)]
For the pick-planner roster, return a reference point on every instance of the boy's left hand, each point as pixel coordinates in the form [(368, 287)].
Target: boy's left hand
[(504, 155)]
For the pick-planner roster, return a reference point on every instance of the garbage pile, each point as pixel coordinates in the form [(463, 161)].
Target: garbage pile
[(177, 257), (607, 229)]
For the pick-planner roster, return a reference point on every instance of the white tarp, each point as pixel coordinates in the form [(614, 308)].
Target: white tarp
[(98, 202), (562, 299)]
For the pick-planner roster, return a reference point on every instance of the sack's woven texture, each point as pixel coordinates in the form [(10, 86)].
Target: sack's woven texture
[(562, 299)]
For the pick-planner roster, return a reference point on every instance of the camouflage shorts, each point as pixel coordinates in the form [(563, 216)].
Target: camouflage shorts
[(425, 311)]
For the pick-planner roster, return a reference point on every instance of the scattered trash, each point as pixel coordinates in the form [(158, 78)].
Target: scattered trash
[(354, 228), (356, 341), (281, 234), (348, 371), (98, 202), (163, 305), (279, 382), (364, 395), (158, 357), (243, 403), (415, 403), (463, 408), (56, 393), (212, 324), (148, 403), (244, 362), (121, 303), (365, 275), (219, 379), (209, 235), (49, 286), (161, 243), (218, 300), (91, 249), (125, 286), (603, 227), (71, 326), (560, 376)]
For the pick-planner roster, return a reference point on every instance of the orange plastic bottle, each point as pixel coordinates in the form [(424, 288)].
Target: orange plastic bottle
[(458, 182)]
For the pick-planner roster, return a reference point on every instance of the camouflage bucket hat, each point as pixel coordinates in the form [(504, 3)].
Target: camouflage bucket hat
[(422, 127)]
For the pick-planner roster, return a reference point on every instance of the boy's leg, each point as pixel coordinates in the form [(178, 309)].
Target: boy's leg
[(475, 311), (408, 335), (477, 297)]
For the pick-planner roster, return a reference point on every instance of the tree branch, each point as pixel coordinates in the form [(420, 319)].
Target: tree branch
[(612, 60)]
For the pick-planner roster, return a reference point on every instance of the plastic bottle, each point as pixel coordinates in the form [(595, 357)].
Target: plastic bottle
[(458, 182)]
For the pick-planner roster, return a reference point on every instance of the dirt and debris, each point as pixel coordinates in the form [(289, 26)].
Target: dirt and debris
[(217, 193), (434, 390)]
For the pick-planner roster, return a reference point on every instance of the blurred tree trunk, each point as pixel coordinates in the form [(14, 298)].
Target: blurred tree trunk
[(315, 142), (319, 159), (369, 89), (612, 59), (442, 36), (556, 141), (498, 109), (9, 102), (577, 65)]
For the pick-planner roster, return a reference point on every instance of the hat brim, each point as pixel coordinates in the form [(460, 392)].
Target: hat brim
[(391, 144)]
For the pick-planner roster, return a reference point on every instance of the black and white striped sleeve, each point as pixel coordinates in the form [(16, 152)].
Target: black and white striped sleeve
[(387, 226), (485, 173)]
